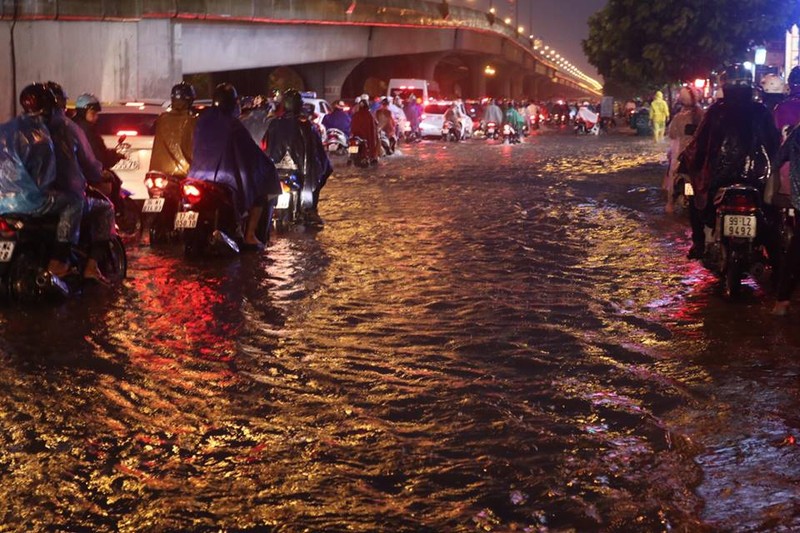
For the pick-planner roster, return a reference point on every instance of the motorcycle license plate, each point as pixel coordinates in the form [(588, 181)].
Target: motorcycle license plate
[(6, 251), (283, 201), (688, 190), (186, 220), (127, 164), (153, 205), (739, 226), (490, 131), (352, 149)]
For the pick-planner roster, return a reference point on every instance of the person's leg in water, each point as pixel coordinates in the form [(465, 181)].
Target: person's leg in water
[(253, 218), (101, 222), (69, 208)]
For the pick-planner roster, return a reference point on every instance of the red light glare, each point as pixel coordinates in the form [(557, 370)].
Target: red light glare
[(127, 133), (191, 191)]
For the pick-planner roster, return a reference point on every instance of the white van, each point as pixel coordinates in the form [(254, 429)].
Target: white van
[(405, 87)]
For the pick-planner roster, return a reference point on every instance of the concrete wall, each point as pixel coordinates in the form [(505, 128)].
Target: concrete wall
[(216, 47), (7, 94), (114, 60)]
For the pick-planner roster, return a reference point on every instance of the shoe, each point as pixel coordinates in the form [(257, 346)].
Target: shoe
[(695, 252), (252, 247), (312, 217), (94, 275), (58, 268)]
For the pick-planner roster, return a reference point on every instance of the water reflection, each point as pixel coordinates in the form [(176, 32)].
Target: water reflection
[(520, 348)]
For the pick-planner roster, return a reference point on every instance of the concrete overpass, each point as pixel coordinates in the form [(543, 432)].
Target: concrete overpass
[(139, 48)]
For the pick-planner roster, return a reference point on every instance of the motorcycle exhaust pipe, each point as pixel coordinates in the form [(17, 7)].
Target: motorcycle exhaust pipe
[(47, 281)]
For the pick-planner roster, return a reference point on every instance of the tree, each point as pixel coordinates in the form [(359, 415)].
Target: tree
[(654, 43)]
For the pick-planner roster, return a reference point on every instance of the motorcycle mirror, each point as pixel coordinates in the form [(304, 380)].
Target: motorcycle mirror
[(122, 138), (689, 129)]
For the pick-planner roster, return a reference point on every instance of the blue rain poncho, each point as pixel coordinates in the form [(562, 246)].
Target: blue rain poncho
[(224, 152), (27, 164)]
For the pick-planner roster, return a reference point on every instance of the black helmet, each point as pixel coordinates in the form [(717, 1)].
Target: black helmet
[(59, 93), (182, 92), (293, 101), (794, 77), (37, 99), (226, 98), (737, 76)]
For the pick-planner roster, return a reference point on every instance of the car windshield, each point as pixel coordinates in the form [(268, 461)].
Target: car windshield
[(111, 123), (437, 109)]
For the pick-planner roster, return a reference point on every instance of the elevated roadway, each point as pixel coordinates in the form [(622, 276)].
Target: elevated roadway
[(140, 48)]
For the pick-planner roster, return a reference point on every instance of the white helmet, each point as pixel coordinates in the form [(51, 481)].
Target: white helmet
[(773, 84)]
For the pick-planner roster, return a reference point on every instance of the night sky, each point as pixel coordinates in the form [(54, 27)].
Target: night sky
[(559, 23), (563, 24)]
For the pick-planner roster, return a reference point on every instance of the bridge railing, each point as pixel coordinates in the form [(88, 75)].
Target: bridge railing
[(388, 12)]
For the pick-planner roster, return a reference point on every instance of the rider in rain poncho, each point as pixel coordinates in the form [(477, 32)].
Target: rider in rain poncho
[(28, 172)]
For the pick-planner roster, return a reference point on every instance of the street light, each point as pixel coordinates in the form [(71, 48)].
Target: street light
[(489, 70)]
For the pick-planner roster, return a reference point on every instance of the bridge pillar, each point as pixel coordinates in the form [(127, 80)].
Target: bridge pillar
[(327, 78), (516, 88), (477, 78)]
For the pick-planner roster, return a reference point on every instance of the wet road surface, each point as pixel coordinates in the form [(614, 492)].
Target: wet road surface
[(482, 338)]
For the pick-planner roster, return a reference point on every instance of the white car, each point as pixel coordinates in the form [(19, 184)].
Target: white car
[(319, 106), (135, 121), (432, 119)]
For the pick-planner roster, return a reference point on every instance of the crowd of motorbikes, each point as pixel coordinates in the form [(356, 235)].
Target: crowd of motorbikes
[(201, 215)]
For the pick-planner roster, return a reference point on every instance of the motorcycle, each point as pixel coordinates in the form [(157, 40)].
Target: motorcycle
[(26, 244), (160, 208), (210, 220), (587, 122), (510, 135), (387, 143), (335, 142), (450, 132), (287, 210), (737, 245), (357, 148), (491, 131)]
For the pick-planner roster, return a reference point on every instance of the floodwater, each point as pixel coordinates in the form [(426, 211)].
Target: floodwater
[(483, 338)]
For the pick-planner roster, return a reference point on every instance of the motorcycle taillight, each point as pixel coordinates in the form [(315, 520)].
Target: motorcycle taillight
[(6, 229), (740, 203), (192, 193)]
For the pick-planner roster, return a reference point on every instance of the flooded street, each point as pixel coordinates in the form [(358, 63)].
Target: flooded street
[(482, 338)]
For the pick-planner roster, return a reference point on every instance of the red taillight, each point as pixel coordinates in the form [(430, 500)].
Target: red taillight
[(161, 183), (740, 204), (6, 229), (127, 133), (192, 193), (148, 182)]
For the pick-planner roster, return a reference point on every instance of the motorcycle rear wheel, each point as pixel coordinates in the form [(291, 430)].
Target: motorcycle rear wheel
[(21, 283), (115, 265), (733, 277)]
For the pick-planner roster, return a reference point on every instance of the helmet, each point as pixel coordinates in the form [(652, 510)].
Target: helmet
[(773, 84), (794, 77), (37, 99), (340, 104), (182, 92), (59, 93), (737, 76), (292, 101), (357, 100), (385, 101), (225, 98), (88, 101)]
